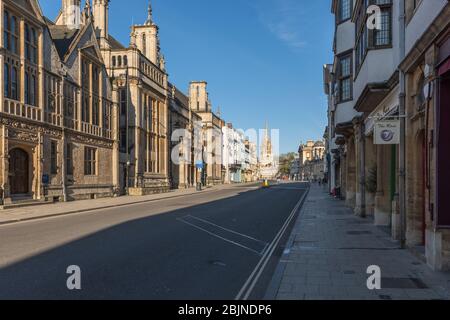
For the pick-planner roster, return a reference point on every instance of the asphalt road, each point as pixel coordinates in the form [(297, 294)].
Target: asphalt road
[(205, 246)]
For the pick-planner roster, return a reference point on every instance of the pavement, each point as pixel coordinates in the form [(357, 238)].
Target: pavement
[(330, 250), (40, 211), (220, 244)]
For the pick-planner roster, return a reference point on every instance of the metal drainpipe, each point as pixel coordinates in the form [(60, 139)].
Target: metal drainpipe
[(402, 113)]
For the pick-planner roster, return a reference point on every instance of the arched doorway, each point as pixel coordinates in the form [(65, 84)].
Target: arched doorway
[(19, 171)]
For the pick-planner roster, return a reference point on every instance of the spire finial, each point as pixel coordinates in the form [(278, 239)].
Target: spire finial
[(87, 9), (149, 20)]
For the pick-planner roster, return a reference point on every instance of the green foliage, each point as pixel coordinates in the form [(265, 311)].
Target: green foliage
[(286, 162)]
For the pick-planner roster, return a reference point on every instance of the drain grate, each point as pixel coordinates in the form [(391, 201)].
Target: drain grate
[(403, 283), (358, 233), (385, 297)]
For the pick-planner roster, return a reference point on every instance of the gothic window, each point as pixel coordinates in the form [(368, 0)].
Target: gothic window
[(85, 117), (95, 112), (30, 44), (69, 159), (32, 98), (123, 102), (6, 80), (11, 33), (14, 84), (27, 88), (90, 161), (106, 115), (53, 157), (144, 45)]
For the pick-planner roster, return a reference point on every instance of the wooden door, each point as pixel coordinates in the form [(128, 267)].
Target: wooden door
[(19, 171)]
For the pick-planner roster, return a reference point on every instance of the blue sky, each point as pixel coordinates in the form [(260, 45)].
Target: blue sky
[(262, 58)]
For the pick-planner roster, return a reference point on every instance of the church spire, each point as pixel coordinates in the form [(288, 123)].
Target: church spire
[(149, 20)]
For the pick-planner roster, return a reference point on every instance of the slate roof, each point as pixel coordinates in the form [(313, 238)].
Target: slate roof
[(63, 37), (115, 44)]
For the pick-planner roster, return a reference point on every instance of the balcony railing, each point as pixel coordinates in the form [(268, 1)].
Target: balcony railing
[(19, 109), (91, 129)]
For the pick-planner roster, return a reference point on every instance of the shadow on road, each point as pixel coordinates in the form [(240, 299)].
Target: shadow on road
[(157, 257)]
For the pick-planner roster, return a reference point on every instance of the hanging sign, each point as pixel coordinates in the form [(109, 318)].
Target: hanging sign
[(387, 132)]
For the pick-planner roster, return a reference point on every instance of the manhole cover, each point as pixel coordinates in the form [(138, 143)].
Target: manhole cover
[(309, 217), (403, 283), (358, 233)]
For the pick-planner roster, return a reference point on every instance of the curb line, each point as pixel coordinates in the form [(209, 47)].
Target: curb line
[(274, 285), (13, 221), (56, 215)]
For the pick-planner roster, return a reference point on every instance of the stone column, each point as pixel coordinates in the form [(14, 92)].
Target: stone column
[(371, 175), (381, 210), (360, 180)]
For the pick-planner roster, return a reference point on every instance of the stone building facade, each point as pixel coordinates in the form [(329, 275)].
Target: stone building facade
[(140, 85), (398, 72), (213, 171), (312, 161), (234, 154), (184, 145), (56, 108)]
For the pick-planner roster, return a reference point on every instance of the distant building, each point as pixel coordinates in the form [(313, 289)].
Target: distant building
[(311, 159), (294, 174), (268, 164), (234, 154)]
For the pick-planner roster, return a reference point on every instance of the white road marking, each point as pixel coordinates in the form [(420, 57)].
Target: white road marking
[(222, 238), (231, 231), (249, 285)]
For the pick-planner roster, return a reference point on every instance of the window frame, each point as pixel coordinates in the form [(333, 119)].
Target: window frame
[(69, 159), (366, 37), (341, 78), (339, 19), (53, 157), (90, 161)]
